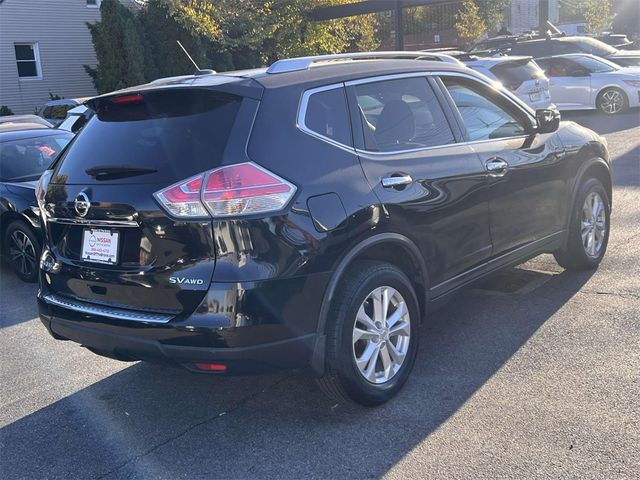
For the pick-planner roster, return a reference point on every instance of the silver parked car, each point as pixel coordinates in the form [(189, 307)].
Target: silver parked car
[(580, 81), (28, 118), (76, 119), (521, 75), (55, 111)]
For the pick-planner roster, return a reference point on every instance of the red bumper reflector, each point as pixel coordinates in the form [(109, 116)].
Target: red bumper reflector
[(211, 367)]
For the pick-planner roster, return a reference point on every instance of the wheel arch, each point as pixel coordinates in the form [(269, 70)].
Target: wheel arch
[(389, 247), (594, 168)]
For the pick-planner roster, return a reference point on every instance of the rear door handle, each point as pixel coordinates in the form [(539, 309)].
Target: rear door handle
[(497, 167), (396, 181)]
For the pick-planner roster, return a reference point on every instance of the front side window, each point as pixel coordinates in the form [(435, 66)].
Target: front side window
[(327, 115), (482, 116), (595, 65), (401, 114), (27, 60)]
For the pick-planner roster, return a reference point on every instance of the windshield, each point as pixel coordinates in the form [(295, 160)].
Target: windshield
[(594, 47), (595, 65), (513, 74), (164, 135), (27, 158)]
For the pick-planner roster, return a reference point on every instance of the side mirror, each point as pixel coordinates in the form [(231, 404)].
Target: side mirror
[(548, 120)]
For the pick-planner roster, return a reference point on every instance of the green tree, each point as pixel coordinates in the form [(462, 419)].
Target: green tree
[(597, 14), (469, 24), (4, 110), (139, 45), (492, 11), (119, 48)]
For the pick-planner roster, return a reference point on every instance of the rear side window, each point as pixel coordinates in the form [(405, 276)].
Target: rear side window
[(514, 74), (327, 115), (160, 137), (401, 114), (539, 48), (562, 48), (57, 112), (28, 158)]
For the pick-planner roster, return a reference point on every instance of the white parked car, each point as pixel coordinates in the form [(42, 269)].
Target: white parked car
[(521, 75), (580, 81)]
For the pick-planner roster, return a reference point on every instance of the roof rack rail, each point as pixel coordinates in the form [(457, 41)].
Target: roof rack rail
[(304, 63)]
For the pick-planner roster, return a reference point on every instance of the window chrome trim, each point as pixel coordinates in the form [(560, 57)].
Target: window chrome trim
[(302, 113), (93, 223), (110, 312), (304, 102), (487, 82), (448, 145)]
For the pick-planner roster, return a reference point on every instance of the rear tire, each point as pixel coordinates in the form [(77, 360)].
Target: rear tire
[(612, 101), (588, 228), (23, 250), (372, 335)]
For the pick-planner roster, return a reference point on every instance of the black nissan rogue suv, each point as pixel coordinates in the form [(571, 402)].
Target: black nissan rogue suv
[(306, 215)]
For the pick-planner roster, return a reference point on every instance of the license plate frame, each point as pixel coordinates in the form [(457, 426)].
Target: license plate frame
[(100, 245)]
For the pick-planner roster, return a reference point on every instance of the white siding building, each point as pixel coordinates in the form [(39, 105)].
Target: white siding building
[(525, 14), (43, 47)]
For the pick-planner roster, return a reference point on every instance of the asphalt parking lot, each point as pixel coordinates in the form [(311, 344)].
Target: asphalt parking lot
[(533, 374)]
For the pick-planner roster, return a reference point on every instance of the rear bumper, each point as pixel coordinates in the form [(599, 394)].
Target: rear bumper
[(270, 332), (283, 354)]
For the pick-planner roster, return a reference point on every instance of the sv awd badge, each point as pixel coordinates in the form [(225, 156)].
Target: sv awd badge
[(186, 281)]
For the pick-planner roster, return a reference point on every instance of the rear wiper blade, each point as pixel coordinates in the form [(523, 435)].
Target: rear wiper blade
[(107, 172)]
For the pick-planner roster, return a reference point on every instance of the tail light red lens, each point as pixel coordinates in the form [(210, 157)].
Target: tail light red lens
[(127, 99), (211, 367), (234, 190)]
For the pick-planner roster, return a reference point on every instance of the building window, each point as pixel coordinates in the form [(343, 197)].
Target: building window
[(93, 3), (28, 60)]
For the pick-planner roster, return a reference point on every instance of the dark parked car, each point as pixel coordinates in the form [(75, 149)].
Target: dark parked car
[(24, 155), (563, 45), (306, 215)]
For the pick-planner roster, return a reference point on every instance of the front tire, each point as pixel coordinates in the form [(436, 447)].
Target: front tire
[(372, 335), (612, 101), (23, 249), (588, 228)]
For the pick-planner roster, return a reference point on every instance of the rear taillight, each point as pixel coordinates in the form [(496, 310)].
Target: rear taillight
[(242, 189)]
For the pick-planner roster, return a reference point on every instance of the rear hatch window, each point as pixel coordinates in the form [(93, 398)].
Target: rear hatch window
[(515, 73), (157, 137)]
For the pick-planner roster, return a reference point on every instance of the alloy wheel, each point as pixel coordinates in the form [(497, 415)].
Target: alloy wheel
[(22, 253), (611, 101), (381, 335), (593, 225)]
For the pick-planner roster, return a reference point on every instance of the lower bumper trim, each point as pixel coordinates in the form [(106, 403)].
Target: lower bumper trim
[(105, 311)]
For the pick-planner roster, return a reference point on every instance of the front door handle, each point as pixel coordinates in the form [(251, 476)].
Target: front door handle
[(497, 167), (397, 181)]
